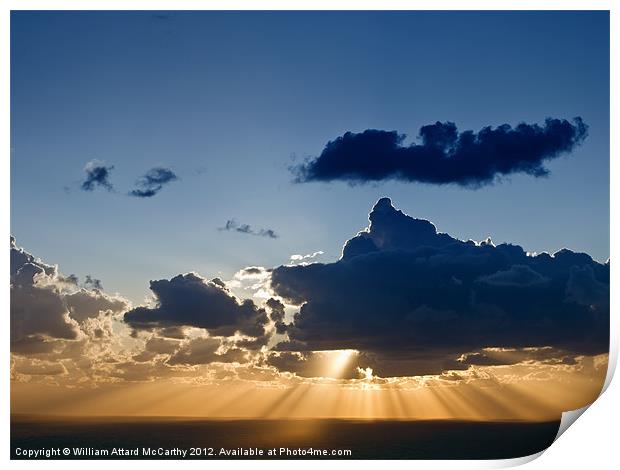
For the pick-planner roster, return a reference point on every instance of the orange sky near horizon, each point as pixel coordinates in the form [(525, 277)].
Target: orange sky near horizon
[(533, 392)]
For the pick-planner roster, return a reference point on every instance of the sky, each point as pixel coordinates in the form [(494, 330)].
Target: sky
[(229, 101), (406, 212)]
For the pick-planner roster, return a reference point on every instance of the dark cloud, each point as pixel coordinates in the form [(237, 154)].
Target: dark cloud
[(190, 300), (402, 293), (97, 174), (503, 356), (173, 332), (296, 356), (343, 364), (85, 304), (516, 276), (206, 351), (38, 311), (584, 288), (252, 270), (153, 182), (276, 313), (444, 155), (160, 345), (32, 345), (93, 283), (234, 226), (317, 364), (19, 258), (70, 279), (49, 312)]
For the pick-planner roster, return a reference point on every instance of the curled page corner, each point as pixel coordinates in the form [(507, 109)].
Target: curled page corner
[(517, 461), (568, 418), (612, 361)]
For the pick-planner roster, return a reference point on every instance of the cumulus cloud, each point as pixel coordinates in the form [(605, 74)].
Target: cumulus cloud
[(37, 312), (97, 175), (404, 294), (363, 318), (206, 350), (233, 226), (51, 316), (38, 367), (19, 258), (192, 301), (444, 155), (84, 304), (153, 182)]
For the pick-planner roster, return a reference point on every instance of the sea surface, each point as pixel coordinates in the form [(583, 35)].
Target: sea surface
[(167, 438)]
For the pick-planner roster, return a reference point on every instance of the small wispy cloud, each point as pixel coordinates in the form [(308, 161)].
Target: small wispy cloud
[(97, 175), (233, 226), (153, 182), (302, 258)]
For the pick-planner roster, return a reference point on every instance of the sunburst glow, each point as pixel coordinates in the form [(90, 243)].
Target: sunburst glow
[(337, 361)]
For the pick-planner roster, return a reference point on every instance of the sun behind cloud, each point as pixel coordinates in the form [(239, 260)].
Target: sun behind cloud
[(409, 323)]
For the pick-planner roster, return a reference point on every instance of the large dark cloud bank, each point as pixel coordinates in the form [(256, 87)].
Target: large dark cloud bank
[(412, 298)]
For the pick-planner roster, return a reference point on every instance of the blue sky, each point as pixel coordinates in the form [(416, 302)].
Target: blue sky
[(229, 100)]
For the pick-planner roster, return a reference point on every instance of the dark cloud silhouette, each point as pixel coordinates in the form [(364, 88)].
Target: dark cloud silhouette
[(517, 276), (97, 174), (276, 313), (93, 283), (444, 154), (234, 226), (252, 270), (404, 295), (153, 182), (48, 310), (37, 312), (190, 300), (70, 279)]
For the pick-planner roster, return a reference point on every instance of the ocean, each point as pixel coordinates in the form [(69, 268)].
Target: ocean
[(183, 438)]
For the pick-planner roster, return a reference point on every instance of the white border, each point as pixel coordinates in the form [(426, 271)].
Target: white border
[(591, 443)]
